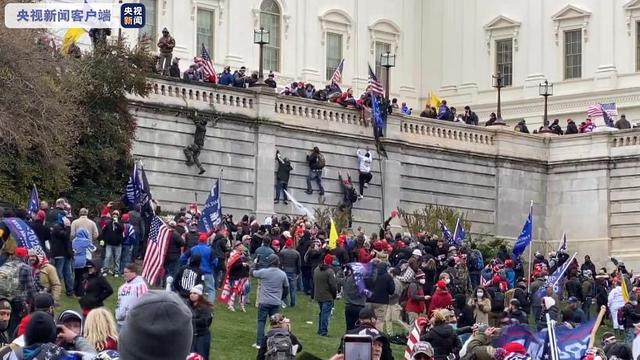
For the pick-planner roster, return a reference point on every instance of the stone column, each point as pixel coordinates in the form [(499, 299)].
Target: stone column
[(606, 75), (535, 55), (264, 182), (391, 169), (469, 86)]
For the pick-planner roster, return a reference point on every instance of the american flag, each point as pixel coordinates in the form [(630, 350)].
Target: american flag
[(414, 336), (594, 110), (599, 109), (152, 266), (376, 87), (209, 72), (337, 75)]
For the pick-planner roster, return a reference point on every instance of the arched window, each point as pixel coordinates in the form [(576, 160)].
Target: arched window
[(270, 19)]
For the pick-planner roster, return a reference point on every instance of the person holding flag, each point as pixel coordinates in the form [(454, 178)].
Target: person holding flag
[(446, 233), (34, 202)]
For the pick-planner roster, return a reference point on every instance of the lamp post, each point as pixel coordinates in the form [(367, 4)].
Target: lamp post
[(497, 83), (261, 37), (545, 89), (387, 61)]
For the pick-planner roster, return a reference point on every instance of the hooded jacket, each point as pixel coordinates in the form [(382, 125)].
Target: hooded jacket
[(444, 340), (441, 299), (324, 284), (47, 276), (81, 244)]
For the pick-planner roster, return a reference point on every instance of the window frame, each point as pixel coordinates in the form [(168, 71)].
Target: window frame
[(272, 35), (380, 71), (154, 24), (569, 69), (329, 70), (198, 45), (499, 65)]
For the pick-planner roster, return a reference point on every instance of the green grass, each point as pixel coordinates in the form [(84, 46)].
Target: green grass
[(234, 332)]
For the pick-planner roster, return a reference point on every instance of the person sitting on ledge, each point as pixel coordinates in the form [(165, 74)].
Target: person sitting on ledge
[(492, 119)]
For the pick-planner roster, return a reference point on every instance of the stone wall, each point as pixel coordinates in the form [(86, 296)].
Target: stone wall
[(584, 185)]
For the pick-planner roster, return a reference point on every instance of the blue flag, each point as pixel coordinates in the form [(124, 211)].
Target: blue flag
[(459, 234), (133, 192), (557, 279), (525, 236), (522, 334), (34, 201), (563, 243), (572, 343), (23, 234), (446, 234), (212, 210), (376, 112)]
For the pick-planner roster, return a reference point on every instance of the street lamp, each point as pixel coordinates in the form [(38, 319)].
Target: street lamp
[(387, 60), (545, 89), (261, 37), (498, 84)]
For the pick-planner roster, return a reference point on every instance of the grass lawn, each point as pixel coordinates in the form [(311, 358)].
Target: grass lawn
[(234, 332)]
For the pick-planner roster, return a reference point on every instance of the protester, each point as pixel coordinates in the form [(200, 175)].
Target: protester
[(366, 326), (202, 318), (441, 298), (82, 251), (316, 163), (61, 251), (481, 304), (280, 342), (96, 289), (18, 285), (282, 177), (100, 330), (113, 234), (237, 279), (165, 44), (623, 123), (364, 158), (130, 292), (186, 278), (354, 298), (273, 284), (442, 336), (83, 222), (5, 316), (129, 238), (416, 298), (325, 291), (291, 262), (615, 303), (470, 117)]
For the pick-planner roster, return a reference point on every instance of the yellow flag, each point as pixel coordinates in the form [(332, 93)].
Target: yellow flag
[(625, 291), (434, 100), (71, 36), (333, 235)]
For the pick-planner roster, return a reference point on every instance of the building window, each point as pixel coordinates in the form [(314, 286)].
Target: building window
[(270, 20), (334, 53), (381, 73), (149, 29), (504, 60), (573, 54), (205, 31), (638, 46)]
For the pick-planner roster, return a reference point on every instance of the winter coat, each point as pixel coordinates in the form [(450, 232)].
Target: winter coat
[(226, 78), (48, 277), (97, 290), (381, 286), (479, 348), (81, 244), (284, 170), (129, 294), (290, 261), (415, 299), (175, 247), (166, 44), (572, 128), (187, 278), (60, 243), (261, 255), (619, 350), (518, 315), (113, 233), (554, 314), (313, 257), (220, 248), (444, 341), (441, 299), (207, 261), (201, 318), (263, 346), (314, 161), (324, 284), (481, 309), (631, 315)]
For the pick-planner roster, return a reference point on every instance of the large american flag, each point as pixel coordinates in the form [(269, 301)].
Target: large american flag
[(376, 87), (152, 266), (598, 109), (209, 72), (337, 75)]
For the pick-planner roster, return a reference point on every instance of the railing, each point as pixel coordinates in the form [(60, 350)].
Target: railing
[(446, 131), (620, 140)]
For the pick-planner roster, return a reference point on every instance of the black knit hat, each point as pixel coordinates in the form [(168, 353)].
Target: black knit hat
[(40, 330)]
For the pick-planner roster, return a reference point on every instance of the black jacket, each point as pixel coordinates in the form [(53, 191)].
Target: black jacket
[(186, 278), (219, 246), (619, 350), (517, 315), (572, 128), (314, 162), (574, 288), (175, 245), (113, 233), (382, 286), (201, 318), (60, 242), (42, 232), (631, 315), (284, 170), (97, 290), (303, 246), (524, 299), (444, 340)]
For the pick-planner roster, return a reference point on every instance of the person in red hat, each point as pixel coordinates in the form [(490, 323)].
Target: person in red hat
[(441, 298), (17, 285), (325, 289), (415, 301)]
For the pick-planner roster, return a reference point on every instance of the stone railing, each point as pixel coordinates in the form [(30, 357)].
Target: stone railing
[(290, 111)]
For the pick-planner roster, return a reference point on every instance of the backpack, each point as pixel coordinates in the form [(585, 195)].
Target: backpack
[(477, 262), (320, 162), (352, 195), (9, 280), (497, 301), (279, 346)]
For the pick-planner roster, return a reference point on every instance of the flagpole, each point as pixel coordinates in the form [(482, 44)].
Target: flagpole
[(455, 232)]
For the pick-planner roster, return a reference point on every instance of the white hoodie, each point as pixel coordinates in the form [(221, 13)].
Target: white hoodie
[(129, 294)]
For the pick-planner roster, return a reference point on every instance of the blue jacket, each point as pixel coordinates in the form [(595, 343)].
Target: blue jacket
[(208, 262), (129, 236), (225, 78), (81, 243)]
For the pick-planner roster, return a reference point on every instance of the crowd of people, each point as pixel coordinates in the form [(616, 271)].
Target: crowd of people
[(388, 283)]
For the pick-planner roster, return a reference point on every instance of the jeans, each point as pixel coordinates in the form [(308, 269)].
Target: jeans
[(307, 280), (629, 336), (317, 176), (63, 268), (351, 315), (586, 307), (165, 63), (210, 287), (364, 178), (201, 344), (125, 258), (113, 256), (323, 318), (293, 282), (281, 186), (171, 268), (264, 311)]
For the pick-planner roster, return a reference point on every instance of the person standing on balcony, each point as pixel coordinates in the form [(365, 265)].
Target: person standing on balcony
[(444, 112), (271, 82), (470, 117), (166, 44), (282, 177), (364, 158), (316, 162)]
